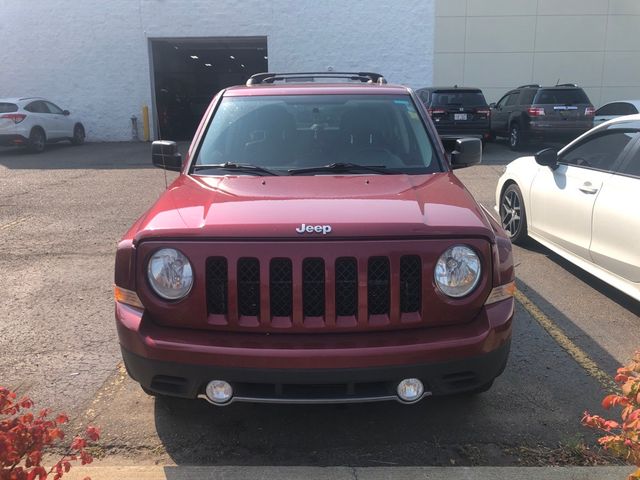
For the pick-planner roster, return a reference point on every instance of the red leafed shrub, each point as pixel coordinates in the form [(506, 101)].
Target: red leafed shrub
[(622, 438), (24, 438)]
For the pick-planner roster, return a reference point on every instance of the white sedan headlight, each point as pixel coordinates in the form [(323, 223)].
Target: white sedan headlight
[(170, 274), (457, 272)]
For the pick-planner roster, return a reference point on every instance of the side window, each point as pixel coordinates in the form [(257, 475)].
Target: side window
[(503, 101), (527, 96), (513, 99), (608, 109), (53, 108), (617, 108), (599, 152), (37, 107), (632, 166)]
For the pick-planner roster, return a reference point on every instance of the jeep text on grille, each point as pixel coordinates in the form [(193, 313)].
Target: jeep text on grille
[(315, 248)]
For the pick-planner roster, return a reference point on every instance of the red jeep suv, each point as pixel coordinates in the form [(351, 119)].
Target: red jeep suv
[(315, 248)]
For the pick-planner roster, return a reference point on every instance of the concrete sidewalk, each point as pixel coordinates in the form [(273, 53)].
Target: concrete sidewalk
[(349, 473)]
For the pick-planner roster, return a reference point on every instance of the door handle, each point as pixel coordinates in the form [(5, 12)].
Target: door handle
[(588, 188)]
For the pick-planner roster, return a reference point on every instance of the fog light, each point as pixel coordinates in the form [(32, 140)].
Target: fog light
[(219, 391), (410, 389)]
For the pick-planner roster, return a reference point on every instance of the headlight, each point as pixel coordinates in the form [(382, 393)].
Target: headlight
[(458, 271), (170, 274)]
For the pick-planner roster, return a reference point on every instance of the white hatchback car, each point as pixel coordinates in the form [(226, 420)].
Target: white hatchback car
[(33, 122), (582, 202)]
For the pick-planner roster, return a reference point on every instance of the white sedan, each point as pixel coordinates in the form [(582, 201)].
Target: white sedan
[(582, 202), (33, 122), (611, 110)]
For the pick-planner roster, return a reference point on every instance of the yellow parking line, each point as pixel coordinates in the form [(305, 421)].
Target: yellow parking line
[(565, 342)]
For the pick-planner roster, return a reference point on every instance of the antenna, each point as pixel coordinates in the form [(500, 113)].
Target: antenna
[(166, 185), (557, 82)]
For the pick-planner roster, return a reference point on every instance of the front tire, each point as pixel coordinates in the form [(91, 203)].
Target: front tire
[(512, 214), (37, 140), (78, 135)]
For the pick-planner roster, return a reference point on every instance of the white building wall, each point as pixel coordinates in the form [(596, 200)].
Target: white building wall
[(92, 56), (499, 44)]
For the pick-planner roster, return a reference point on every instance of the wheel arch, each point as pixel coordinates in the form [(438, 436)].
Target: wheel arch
[(525, 196), (517, 119), (38, 127)]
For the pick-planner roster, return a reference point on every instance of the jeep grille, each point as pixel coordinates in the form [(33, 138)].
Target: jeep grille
[(313, 276)]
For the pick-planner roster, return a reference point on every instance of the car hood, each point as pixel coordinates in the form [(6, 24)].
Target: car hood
[(360, 206)]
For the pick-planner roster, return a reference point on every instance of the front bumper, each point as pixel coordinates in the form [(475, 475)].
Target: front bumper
[(316, 367)]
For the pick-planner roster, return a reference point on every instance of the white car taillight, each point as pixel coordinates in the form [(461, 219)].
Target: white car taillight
[(15, 117)]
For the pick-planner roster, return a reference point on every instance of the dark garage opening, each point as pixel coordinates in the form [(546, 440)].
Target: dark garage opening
[(187, 73)]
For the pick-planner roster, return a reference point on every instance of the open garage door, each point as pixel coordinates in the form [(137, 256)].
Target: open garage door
[(187, 73)]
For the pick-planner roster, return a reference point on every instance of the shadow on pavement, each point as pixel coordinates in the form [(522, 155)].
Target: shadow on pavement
[(604, 288), (537, 403)]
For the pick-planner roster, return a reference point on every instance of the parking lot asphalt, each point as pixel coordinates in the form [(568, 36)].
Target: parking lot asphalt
[(61, 214)]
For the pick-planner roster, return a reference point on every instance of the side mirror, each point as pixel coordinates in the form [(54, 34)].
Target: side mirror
[(164, 154), (66, 113), (492, 105), (468, 152), (547, 158)]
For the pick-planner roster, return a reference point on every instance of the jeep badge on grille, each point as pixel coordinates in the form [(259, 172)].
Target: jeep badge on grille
[(323, 229)]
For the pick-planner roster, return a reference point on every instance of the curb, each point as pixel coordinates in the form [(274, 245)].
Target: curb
[(347, 473)]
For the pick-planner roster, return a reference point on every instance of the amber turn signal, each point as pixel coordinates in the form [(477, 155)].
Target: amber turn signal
[(501, 292), (122, 295)]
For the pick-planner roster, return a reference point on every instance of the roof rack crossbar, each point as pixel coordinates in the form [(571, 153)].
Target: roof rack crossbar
[(268, 77), (567, 85), (530, 85)]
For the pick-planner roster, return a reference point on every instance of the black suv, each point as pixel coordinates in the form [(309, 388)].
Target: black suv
[(531, 113), (457, 111)]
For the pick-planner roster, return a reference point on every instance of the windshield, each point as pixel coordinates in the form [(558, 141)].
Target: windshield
[(453, 97), (285, 133)]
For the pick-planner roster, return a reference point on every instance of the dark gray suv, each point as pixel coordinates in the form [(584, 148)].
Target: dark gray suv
[(535, 114)]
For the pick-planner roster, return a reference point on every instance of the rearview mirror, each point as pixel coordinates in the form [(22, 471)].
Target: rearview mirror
[(164, 154), (547, 158), (492, 105), (468, 152), (66, 113)]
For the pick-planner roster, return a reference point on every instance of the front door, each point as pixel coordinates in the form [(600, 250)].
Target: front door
[(562, 200)]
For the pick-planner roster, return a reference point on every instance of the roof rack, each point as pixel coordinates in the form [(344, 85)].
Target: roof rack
[(530, 85), (364, 77), (567, 85)]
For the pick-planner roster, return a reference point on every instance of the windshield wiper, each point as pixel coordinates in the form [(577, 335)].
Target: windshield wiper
[(239, 167), (344, 168)]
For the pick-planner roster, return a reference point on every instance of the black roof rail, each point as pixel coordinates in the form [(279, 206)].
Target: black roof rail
[(567, 85), (530, 85), (365, 77)]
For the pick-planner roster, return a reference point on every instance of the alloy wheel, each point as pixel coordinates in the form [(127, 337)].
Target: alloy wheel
[(514, 137), (510, 212)]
